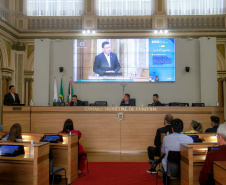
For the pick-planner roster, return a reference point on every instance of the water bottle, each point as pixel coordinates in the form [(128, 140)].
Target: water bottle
[(31, 148), (31, 103)]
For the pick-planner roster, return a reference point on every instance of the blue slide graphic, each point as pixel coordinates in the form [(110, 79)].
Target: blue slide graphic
[(162, 60)]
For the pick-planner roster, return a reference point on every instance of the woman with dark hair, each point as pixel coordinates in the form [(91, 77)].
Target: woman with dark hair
[(15, 133), (68, 127)]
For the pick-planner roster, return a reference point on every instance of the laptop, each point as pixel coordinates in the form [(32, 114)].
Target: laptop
[(11, 150), (52, 138)]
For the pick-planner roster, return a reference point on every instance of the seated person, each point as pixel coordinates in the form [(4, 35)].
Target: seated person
[(75, 101), (215, 120), (196, 127), (156, 101), (11, 98), (68, 127), (126, 101), (15, 133), (214, 155), (156, 151), (171, 143)]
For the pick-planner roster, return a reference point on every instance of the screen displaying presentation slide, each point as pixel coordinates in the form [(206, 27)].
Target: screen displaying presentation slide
[(124, 60)]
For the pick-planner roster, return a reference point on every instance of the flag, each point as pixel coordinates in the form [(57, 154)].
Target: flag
[(55, 94), (61, 91), (70, 93)]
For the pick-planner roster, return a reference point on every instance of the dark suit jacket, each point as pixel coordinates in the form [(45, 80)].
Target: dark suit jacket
[(131, 103), (101, 65), (165, 129), (213, 129), (8, 99), (78, 103), (158, 103)]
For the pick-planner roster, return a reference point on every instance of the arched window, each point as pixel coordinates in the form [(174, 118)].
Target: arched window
[(124, 7), (195, 7), (53, 7)]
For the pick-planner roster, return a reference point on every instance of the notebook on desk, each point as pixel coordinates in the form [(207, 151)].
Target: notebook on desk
[(11, 150), (52, 138)]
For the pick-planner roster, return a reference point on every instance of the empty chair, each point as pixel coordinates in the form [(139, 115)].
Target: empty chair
[(198, 104), (58, 103), (133, 100), (53, 170), (101, 103), (85, 103), (178, 104), (173, 166)]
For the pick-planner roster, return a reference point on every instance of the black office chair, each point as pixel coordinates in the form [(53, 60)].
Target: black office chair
[(53, 170), (133, 100), (178, 104), (101, 103), (198, 104), (85, 103), (173, 166), (58, 103)]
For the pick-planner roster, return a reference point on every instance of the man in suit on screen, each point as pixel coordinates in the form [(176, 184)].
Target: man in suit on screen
[(11, 98), (106, 62)]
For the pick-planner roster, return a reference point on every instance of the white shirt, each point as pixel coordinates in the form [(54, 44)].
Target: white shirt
[(108, 59), (172, 143), (13, 95)]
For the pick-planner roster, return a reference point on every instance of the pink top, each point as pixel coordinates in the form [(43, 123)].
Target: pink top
[(73, 132)]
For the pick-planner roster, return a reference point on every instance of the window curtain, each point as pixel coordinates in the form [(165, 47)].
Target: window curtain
[(53, 7), (124, 7), (195, 7)]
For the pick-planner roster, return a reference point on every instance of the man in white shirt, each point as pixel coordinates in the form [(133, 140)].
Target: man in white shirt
[(172, 143)]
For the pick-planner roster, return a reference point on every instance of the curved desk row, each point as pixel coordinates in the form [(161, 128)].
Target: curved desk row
[(107, 129)]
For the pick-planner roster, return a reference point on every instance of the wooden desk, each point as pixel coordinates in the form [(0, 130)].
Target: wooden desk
[(26, 169), (103, 132), (16, 114), (219, 171), (192, 159), (65, 154)]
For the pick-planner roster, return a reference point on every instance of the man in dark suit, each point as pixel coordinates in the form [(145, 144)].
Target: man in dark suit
[(106, 62), (126, 101), (75, 101), (156, 151), (156, 101), (215, 120), (11, 98)]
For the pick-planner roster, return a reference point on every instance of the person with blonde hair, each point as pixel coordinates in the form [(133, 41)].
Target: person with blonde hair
[(196, 127)]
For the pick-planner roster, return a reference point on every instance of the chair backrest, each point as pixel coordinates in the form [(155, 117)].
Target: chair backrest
[(178, 104), (173, 164), (101, 103), (133, 100), (58, 103), (198, 104), (85, 103)]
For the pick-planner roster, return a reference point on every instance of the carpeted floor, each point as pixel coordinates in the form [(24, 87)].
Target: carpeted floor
[(118, 173)]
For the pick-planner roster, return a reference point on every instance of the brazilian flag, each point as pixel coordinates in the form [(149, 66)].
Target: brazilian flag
[(61, 91)]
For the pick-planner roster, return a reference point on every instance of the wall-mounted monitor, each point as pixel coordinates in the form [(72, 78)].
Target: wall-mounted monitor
[(124, 60)]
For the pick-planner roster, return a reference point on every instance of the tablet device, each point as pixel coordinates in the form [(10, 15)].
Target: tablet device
[(11, 150), (195, 138), (52, 138)]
